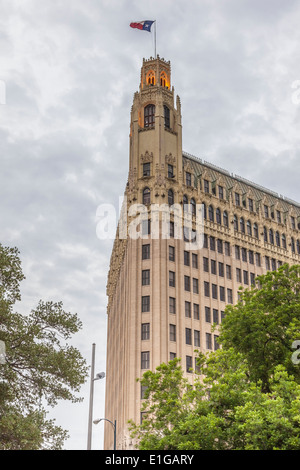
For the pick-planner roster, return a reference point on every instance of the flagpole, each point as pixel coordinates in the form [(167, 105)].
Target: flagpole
[(155, 39)]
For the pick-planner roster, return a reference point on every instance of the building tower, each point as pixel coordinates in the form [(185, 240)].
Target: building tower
[(162, 297)]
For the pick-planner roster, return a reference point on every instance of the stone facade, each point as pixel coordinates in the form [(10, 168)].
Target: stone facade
[(163, 298)]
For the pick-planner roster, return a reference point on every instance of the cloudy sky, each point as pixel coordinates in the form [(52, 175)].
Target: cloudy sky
[(68, 72)]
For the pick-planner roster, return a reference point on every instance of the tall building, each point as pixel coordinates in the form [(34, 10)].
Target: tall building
[(163, 296)]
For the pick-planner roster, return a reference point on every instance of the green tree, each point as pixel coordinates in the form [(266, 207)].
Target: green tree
[(239, 400), (40, 367), (265, 323)]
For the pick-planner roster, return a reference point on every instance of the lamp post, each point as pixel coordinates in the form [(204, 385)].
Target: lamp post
[(114, 425), (100, 375)]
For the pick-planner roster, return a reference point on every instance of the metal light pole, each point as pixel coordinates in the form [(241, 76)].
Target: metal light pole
[(114, 425), (101, 375)]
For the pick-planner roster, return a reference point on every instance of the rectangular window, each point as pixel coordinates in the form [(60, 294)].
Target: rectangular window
[(205, 265), (196, 312), (145, 332), (187, 308), (251, 257), (172, 305), (221, 269), (257, 259), (237, 252), (237, 199), (238, 275), (146, 303), (146, 252), (252, 279), (227, 248), (212, 243), (214, 290), (146, 277), (206, 186), (221, 192), (216, 344), (189, 363), (205, 242), (146, 169), (186, 258), (188, 336), (187, 283), (194, 260), (213, 266), (196, 338), (244, 254), (171, 253), (266, 211), (208, 340), (172, 332), (278, 214), (171, 279), (215, 316), (229, 296), (246, 277), (228, 271), (145, 360), (267, 260), (172, 356), (195, 286), (188, 179), (171, 229), (220, 246), (207, 315), (250, 204), (206, 289), (222, 294)]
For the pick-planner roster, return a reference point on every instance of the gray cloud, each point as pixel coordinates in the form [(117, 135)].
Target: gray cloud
[(71, 69)]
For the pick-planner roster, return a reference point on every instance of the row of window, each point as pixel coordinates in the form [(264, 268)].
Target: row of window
[(211, 343)]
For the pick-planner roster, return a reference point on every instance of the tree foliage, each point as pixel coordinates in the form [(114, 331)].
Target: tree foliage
[(247, 394), (40, 367)]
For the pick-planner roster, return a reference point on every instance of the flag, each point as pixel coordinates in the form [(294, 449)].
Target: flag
[(143, 25)]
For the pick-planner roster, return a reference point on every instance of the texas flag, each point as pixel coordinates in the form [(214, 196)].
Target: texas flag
[(143, 25)]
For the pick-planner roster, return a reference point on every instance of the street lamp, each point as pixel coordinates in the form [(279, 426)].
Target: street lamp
[(114, 425), (100, 375)]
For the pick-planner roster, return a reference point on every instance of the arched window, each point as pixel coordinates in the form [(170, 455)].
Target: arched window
[(193, 206), (283, 241), (149, 115), (293, 245), (235, 223), (185, 203), (170, 197), (277, 238), (225, 218), (211, 213), (167, 116), (249, 228), (255, 230), (218, 216), (150, 78), (265, 234), (271, 236), (146, 196), (242, 225), (163, 79)]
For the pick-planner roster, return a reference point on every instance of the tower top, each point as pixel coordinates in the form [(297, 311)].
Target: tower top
[(156, 72)]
